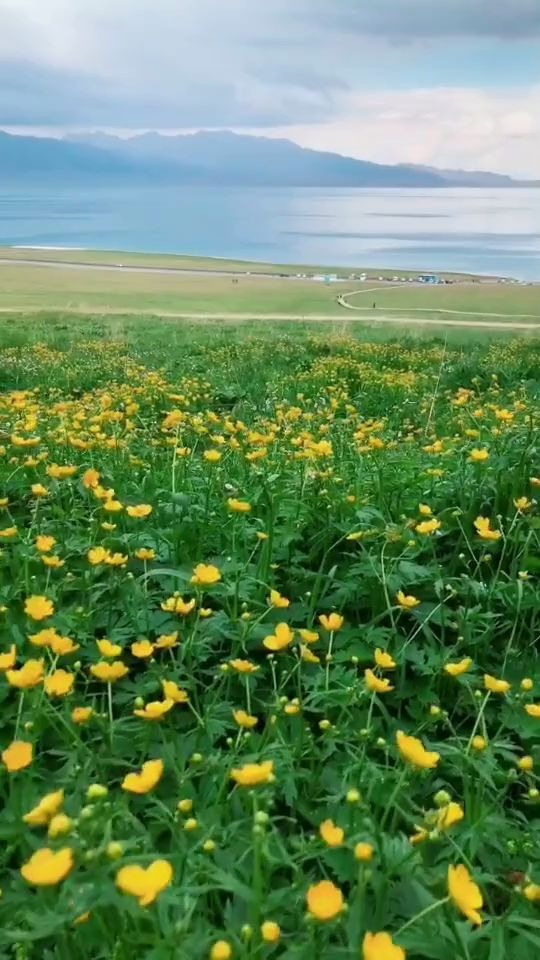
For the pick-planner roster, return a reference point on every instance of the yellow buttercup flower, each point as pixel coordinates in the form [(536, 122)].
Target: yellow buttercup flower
[(484, 531), (526, 764), (522, 504), (280, 639), (449, 815), (532, 892), (276, 600), (270, 931), (458, 668), (145, 884), (332, 835), (413, 751), (254, 774), (331, 622), (28, 676), (44, 543), (149, 776), (59, 683), (145, 553), (212, 456), (97, 555), (8, 533), (47, 868), (380, 946), (109, 672), (424, 510), (166, 641), (140, 511), (171, 691), (533, 709), (309, 636), (478, 455), (108, 649), (494, 685), (60, 826), (375, 684), (45, 810), (479, 743), (18, 756), (238, 506), (407, 601), (244, 666), (307, 655), (9, 659), (38, 490), (177, 604), (155, 710), (427, 527), (38, 607), (364, 852), (142, 649), (90, 478), (325, 901), (384, 660), (244, 719), (82, 715), (464, 893), (221, 950)]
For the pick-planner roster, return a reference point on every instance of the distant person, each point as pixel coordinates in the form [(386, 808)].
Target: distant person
[(374, 305)]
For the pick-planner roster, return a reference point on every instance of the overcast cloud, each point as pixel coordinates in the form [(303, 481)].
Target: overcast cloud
[(433, 81)]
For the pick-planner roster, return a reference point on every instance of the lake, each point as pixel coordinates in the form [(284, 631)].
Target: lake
[(476, 230)]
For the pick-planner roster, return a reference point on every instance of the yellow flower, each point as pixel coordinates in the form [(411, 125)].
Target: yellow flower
[(332, 835), (221, 950), (113, 506), (47, 807), (281, 639), (478, 456), (90, 478), (150, 774), (276, 600), (109, 672), (527, 684), (38, 607), (155, 710), (270, 931), (406, 601), (522, 504), (140, 511), (450, 814), (108, 649), (8, 533), (484, 531), (17, 756), (253, 774), (38, 490), (244, 719), (324, 900), (307, 655), (532, 893), (413, 751), (375, 684), (8, 660), (384, 660), (526, 764), (145, 883), (427, 527), (178, 605), (205, 575), (116, 559), (478, 743), (53, 562), (59, 826), (59, 683), (166, 641), (380, 946), (243, 666), (145, 553), (97, 555), (238, 506), (61, 472), (28, 676), (464, 892), (459, 667), (424, 510), (81, 715), (533, 709), (309, 636), (494, 685), (332, 622), (142, 649), (44, 543), (171, 691), (46, 867), (364, 852), (212, 456)]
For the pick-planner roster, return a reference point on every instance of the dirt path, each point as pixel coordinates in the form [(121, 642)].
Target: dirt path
[(344, 302), (339, 319)]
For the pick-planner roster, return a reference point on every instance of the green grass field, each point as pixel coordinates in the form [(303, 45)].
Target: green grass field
[(37, 287), (269, 667)]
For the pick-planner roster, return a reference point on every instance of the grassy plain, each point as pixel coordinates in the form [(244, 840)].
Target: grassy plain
[(268, 642)]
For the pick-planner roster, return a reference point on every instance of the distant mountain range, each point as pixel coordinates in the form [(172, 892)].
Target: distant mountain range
[(218, 158)]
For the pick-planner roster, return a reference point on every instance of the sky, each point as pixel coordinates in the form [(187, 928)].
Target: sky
[(451, 83)]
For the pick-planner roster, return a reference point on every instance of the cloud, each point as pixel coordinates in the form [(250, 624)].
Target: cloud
[(328, 71)]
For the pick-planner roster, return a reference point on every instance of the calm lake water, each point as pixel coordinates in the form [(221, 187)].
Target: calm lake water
[(477, 230)]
